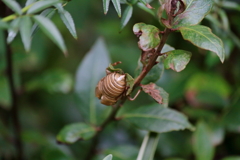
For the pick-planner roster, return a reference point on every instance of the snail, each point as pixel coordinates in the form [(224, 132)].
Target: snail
[(114, 86), (111, 87)]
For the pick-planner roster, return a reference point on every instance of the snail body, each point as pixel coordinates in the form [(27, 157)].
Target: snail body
[(111, 88)]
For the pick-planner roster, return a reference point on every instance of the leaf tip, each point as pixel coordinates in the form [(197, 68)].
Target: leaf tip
[(222, 58), (75, 37), (65, 52)]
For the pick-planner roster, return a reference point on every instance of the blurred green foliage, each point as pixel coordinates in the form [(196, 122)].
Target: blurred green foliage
[(207, 91)]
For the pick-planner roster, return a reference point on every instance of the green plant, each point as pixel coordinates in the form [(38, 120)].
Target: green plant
[(179, 16), (202, 96), (21, 21)]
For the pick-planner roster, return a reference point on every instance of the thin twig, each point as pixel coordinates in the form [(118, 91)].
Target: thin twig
[(14, 108), (110, 118), (137, 81)]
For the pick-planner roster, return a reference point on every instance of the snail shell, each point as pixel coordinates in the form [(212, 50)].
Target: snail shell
[(111, 88)]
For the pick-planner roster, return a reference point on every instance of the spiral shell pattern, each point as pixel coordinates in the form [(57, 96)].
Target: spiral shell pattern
[(110, 88)]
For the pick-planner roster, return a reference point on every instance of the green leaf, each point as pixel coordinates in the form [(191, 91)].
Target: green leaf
[(232, 158), (230, 5), (194, 13), (132, 1), (130, 83), (30, 2), (157, 118), (167, 48), (216, 132), (52, 81), (68, 21), (213, 20), (117, 6), (202, 146), (109, 157), (59, 7), (106, 6), (126, 152), (143, 2), (234, 38), (3, 25), (25, 31), (177, 60), (51, 31), (46, 13), (41, 5), (13, 5), (146, 9), (127, 14), (202, 37), (224, 19), (112, 69), (52, 152), (74, 132), (13, 30), (149, 36), (89, 72), (157, 93), (148, 147)]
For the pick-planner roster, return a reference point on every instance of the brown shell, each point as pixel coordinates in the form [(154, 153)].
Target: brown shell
[(110, 88)]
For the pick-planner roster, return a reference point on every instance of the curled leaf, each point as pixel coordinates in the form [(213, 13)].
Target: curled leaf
[(130, 83), (149, 36), (157, 93), (112, 69), (195, 11)]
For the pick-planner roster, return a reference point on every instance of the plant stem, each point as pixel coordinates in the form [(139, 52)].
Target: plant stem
[(137, 81), (14, 108), (14, 16), (153, 59), (109, 119), (148, 147)]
